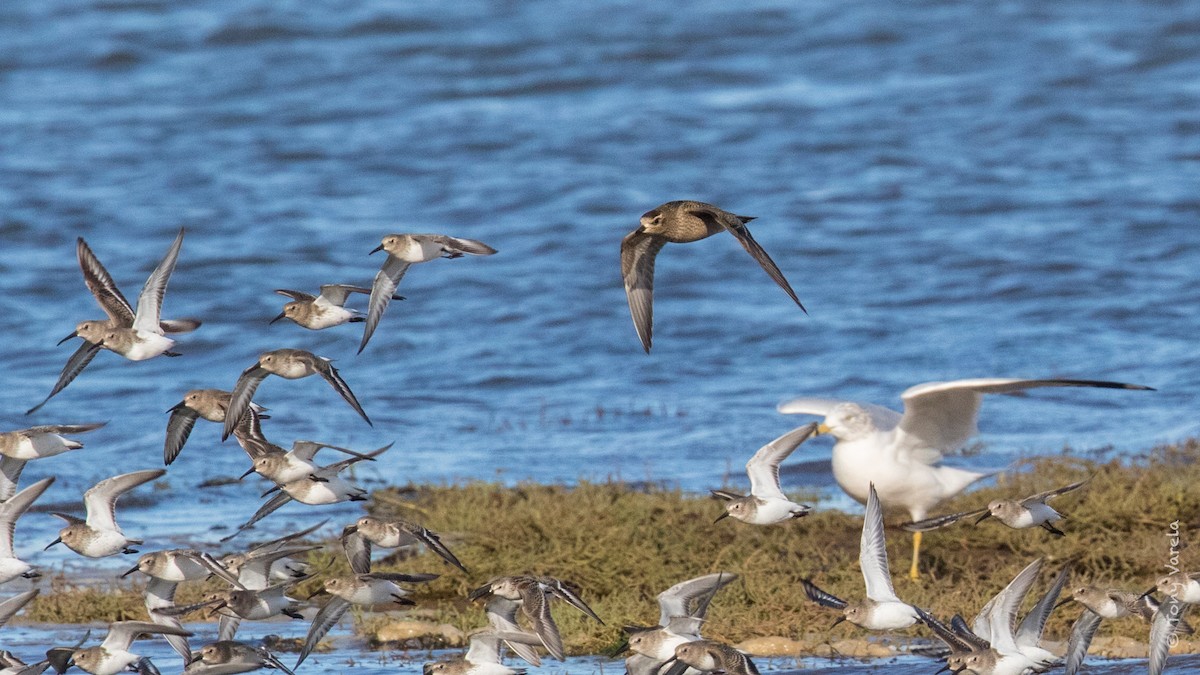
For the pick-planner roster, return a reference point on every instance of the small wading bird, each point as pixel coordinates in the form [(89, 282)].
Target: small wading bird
[(209, 404), (680, 222), (12, 567), (405, 250), (882, 609), (1019, 514), (120, 314), (358, 538), (19, 447), (766, 504), (98, 535), (682, 609), (364, 590), (483, 655), (112, 656), (316, 312), (1100, 604), (709, 656), (290, 364), (227, 657), (900, 453), (533, 595)]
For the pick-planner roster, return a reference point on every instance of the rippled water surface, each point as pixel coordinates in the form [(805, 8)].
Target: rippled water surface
[(953, 189)]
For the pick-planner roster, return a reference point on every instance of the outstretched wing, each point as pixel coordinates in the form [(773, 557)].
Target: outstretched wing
[(327, 371), (179, 428), (742, 233), (382, 291), (872, 553), (102, 286), (325, 619), (149, 309), (638, 252), (1082, 632), (939, 521), (763, 467), (239, 399), (79, 360), (939, 417)]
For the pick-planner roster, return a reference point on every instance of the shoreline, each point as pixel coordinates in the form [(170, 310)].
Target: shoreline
[(623, 545)]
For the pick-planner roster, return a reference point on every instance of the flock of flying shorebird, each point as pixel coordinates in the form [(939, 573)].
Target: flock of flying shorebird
[(882, 458)]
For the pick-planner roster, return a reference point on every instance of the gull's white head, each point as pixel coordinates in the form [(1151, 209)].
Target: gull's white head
[(847, 422)]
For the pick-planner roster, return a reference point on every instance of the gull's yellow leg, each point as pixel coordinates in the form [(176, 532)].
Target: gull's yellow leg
[(912, 573)]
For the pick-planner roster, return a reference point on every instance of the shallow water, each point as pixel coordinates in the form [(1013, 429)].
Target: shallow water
[(953, 190), (28, 642)]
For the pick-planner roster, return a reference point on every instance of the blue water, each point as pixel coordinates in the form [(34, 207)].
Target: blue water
[(953, 189)]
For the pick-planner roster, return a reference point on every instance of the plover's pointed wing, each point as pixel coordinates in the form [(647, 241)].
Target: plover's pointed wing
[(502, 615), (101, 499), (756, 251), (336, 294), (307, 450), (700, 606), (1029, 633), (1169, 614), (10, 606), (62, 428), (943, 415), (227, 626), (357, 549), (382, 291), (536, 607), (763, 467), (432, 542), (239, 399), (399, 577), (325, 619), (640, 664), (872, 553), (485, 644), (102, 286), (79, 360), (822, 597), (1001, 615), (564, 591), (939, 521), (953, 640), (687, 598), (179, 325), (297, 296), (10, 473), (12, 509), (1043, 496), (276, 544), (326, 370), (149, 308), (179, 428), (271, 506), (1082, 632), (121, 634), (160, 594), (463, 245), (334, 469), (638, 252)]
